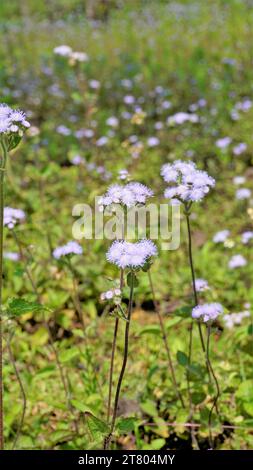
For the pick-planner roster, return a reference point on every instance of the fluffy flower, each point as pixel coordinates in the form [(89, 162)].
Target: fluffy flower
[(223, 143), (125, 254), (13, 216), (201, 285), (111, 294), (221, 236), (239, 148), (237, 261), (246, 237), (181, 118), (239, 180), (63, 50), (128, 195), (243, 193), (207, 312), (235, 318), (191, 184), (11, 255), (12, 121), (71, 247)]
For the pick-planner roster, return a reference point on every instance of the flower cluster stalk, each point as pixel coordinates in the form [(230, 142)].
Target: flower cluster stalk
[(122, 372)]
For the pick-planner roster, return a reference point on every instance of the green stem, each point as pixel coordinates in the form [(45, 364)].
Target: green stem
[(2, 171), (193, 275), (121, 376)]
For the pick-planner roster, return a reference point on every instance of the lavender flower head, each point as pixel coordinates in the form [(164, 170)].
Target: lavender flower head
[(201, 285), (207, 312), (243, 193), (237, 261), (246, 237), (133, 255), (221, 236), (71, 248), (12, 216), (129, 195), (188, 184), (12, 121)]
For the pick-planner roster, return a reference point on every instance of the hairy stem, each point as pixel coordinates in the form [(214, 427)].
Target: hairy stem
[(216, 398), (165, 340), (2, 171), (121, 375), (193, 275)]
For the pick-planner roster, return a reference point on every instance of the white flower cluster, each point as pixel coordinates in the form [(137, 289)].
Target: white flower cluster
[(12, 121), (12, 216), (66, 51), (237, 261), (111, 294), (207, 312), (129, 195), (201, 285), (71, 248), (221, 236), (126, 254), (181, 118), (235, 318), (187, 182)]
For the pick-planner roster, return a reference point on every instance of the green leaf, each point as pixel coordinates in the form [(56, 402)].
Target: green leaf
[(184, 312), (149, 408), (45, 372), (182, 358), (196, 372), (155, 444), (126, 424), (245, 391), (97, 427), (20, 306), (69, 354), (79, 405), (248, 407), (152, 329), (250, 329), (171, 322), (198, 397)]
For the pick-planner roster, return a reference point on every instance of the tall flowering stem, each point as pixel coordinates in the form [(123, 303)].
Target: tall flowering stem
[(208, 313), (115, 334), (122, 372), (187, 215), (13, 124), (2, 172), (133, 256), (165, 340)]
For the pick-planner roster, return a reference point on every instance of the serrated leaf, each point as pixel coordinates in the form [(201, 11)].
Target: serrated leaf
[(97, 427), (19, 306)]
